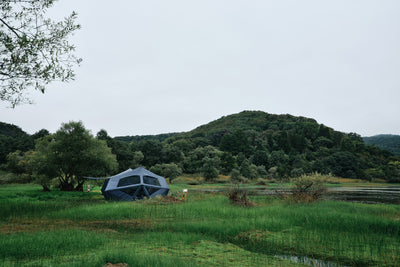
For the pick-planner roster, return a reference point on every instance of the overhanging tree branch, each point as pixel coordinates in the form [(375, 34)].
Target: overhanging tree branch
[(34, 50), (9, 27)]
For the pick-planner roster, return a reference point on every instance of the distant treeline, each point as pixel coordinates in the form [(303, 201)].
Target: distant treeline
[(385, 141), (249, 144), (137, 138)]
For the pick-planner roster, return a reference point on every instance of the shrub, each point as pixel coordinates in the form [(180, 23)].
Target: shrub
[(307, 189), (238, 196)]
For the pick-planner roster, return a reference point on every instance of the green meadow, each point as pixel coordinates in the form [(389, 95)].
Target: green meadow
[(82, 229)]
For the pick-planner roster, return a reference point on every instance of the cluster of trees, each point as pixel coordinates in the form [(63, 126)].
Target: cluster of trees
[(68, 155), (388, 142), (247, 145), (256, 144)]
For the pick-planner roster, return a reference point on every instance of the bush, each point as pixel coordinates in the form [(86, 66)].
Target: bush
[(307, 189), (239, 197), (235, 175)]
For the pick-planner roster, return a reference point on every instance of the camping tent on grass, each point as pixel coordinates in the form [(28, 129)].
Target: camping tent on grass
[(134, 184)]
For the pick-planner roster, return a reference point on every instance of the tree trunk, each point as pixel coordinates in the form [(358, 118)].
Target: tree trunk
[(79, 187), (66, 187), (46, 188)]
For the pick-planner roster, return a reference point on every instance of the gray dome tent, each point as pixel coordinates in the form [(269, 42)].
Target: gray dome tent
[(134, 184)]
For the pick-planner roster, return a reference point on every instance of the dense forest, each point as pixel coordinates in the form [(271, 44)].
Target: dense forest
[(248, 145), (388, 142)]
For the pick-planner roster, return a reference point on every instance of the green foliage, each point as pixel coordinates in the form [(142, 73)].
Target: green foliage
[(239, 197), (168, 170), (70, 154), (388, 142), (307, 189), (79, 229), (236, 176), (12, 138), (208, 169), (257, 143), (34, 49), (289, 146), (235, 143), (227, 163)]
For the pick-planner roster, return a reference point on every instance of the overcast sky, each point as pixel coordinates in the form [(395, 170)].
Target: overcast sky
[(152, 67)]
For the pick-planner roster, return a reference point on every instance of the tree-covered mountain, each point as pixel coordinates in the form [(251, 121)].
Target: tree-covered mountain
[(388, 142), (255, 144), (13, 138), (137, 138)]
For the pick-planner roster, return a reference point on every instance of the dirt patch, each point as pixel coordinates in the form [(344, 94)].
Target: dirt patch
[(23, 225), (254, 235), (109, 264), (172, 199)]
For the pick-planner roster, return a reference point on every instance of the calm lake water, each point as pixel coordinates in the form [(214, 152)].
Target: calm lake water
[(373, 195), (387, 194)]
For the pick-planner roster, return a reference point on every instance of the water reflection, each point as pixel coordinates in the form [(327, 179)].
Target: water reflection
[(373, 195), (387, 195)]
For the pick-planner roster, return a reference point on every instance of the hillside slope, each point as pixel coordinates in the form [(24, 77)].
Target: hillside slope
[(388, 142), (12, 138), (252, 143), (284, 144)]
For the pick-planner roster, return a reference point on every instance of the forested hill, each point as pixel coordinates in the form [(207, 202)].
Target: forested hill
[(385, 141), (13, 138), (137, 138), (282, 145), (253, 121), (251, 143)]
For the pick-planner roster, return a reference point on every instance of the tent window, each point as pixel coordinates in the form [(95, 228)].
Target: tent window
[(150, 180), (151, 190), (135, 179), (130, 191)]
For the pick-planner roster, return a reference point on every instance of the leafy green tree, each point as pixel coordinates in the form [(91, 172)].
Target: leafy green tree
[(227, 163), (13, 138), (343, 164), (278, 158), (209, 169), (260, 157), (18, 162), (235, 143), (168, 170), (322, 142), (42, 162), (152, 151), (34, 50), (184, 145), (248, 170), (261, 171), (235, 175), (194, 161), (119, 148), (282, 141), (171, 153), (324, 131), (70, 154), (39, 134), (137, 159)]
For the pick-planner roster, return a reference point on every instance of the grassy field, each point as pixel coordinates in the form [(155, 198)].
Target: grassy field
[(82, 229)]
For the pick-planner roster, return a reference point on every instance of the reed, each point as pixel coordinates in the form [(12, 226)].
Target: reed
[(204, 230)]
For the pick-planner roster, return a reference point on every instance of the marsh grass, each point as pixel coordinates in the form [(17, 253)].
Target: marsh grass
[(84, 230)]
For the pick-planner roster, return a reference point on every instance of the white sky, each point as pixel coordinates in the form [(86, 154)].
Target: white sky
[(152, 67)]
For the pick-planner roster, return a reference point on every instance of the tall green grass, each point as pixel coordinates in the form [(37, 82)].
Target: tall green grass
[(156, 233)]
